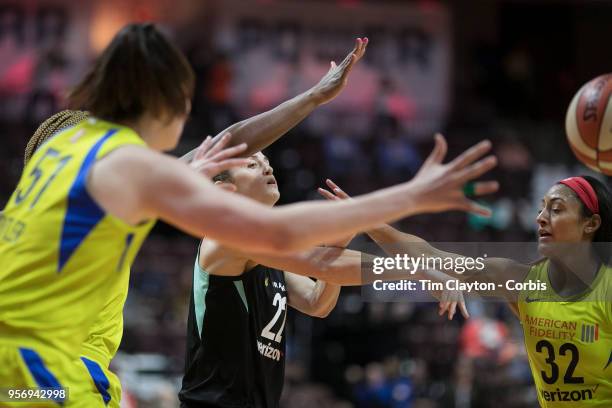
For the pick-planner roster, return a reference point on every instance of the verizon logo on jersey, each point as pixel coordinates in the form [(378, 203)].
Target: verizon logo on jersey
[(583, 394), (269, 351)]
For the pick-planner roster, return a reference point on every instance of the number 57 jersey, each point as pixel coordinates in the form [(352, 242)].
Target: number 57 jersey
[(59, 250), (569, 343)]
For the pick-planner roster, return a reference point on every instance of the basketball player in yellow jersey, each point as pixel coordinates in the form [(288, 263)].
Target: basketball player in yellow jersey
[(106, 332), (90, 195), (567, 322)]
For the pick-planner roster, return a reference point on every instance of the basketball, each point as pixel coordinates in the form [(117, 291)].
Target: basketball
[(588, 124)]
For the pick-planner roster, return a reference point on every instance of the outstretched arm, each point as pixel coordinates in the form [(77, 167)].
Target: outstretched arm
[(394, 242), (264, 129), (333, 267), (135, 184)]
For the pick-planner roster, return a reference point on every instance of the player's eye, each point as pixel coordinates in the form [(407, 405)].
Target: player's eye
[(252, 165)]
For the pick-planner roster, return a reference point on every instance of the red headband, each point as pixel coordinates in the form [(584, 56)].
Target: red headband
[(584, 191)]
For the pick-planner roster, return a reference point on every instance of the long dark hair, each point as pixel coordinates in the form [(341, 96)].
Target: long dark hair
[(140, 71), (603, 235)]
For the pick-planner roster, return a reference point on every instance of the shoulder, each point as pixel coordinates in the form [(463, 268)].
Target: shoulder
[(141, 166), (509, 267), (217, 259)]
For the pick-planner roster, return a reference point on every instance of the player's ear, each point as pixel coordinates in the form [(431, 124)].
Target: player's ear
[(230, 187), (593, 224)]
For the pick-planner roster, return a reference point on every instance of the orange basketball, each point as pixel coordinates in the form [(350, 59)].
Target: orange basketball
[(588, 124)]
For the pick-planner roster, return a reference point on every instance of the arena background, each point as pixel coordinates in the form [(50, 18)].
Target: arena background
[(504, 70)]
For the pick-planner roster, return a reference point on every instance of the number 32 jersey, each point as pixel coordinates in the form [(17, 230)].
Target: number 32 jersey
[(235, 353), (60, 253), (569, 344)]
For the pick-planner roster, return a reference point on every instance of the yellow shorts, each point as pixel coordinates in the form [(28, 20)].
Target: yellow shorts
[(23, 368)]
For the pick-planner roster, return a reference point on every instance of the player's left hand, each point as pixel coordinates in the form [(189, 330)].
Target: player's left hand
[(211, 160), (338, 194), (336, 78), (449, 300)]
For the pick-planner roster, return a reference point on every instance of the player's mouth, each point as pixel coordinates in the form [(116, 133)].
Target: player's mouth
[(271, 181), (544, 236)]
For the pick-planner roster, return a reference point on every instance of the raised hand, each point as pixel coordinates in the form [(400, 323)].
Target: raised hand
[(442, 187), (336, 78), (211, 160)]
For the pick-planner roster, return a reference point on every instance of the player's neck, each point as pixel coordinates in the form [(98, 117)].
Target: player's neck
[(574, 272), (147, 130)]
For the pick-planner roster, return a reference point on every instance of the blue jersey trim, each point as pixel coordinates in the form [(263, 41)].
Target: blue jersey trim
[(83, 213), (99, 378), (128, 242), (43, 377)]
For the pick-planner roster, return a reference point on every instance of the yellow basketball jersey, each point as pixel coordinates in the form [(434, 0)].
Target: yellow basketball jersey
[(569, 344), (61, 254), (102, 343), (106, 331)]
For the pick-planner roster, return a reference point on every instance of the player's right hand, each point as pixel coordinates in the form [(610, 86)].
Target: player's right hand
[(211, 160), (337, 194), (440, 187), (449, 300)]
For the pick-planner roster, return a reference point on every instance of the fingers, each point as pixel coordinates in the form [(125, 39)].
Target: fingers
[(349, 65), (444, 303), (439, 151), (443, 307), (442, 147), (363, 48), (471, 154), (463, 309), (476, 170), (327, 194), (337, 190), (453, 309), (221, 166), (350, 58), (229, 152), (475, 208), (219, 145), (360, 47), (202, 149), (332, 67)]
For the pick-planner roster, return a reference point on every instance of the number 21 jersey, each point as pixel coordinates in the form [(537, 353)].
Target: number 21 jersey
[(235, 340)]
